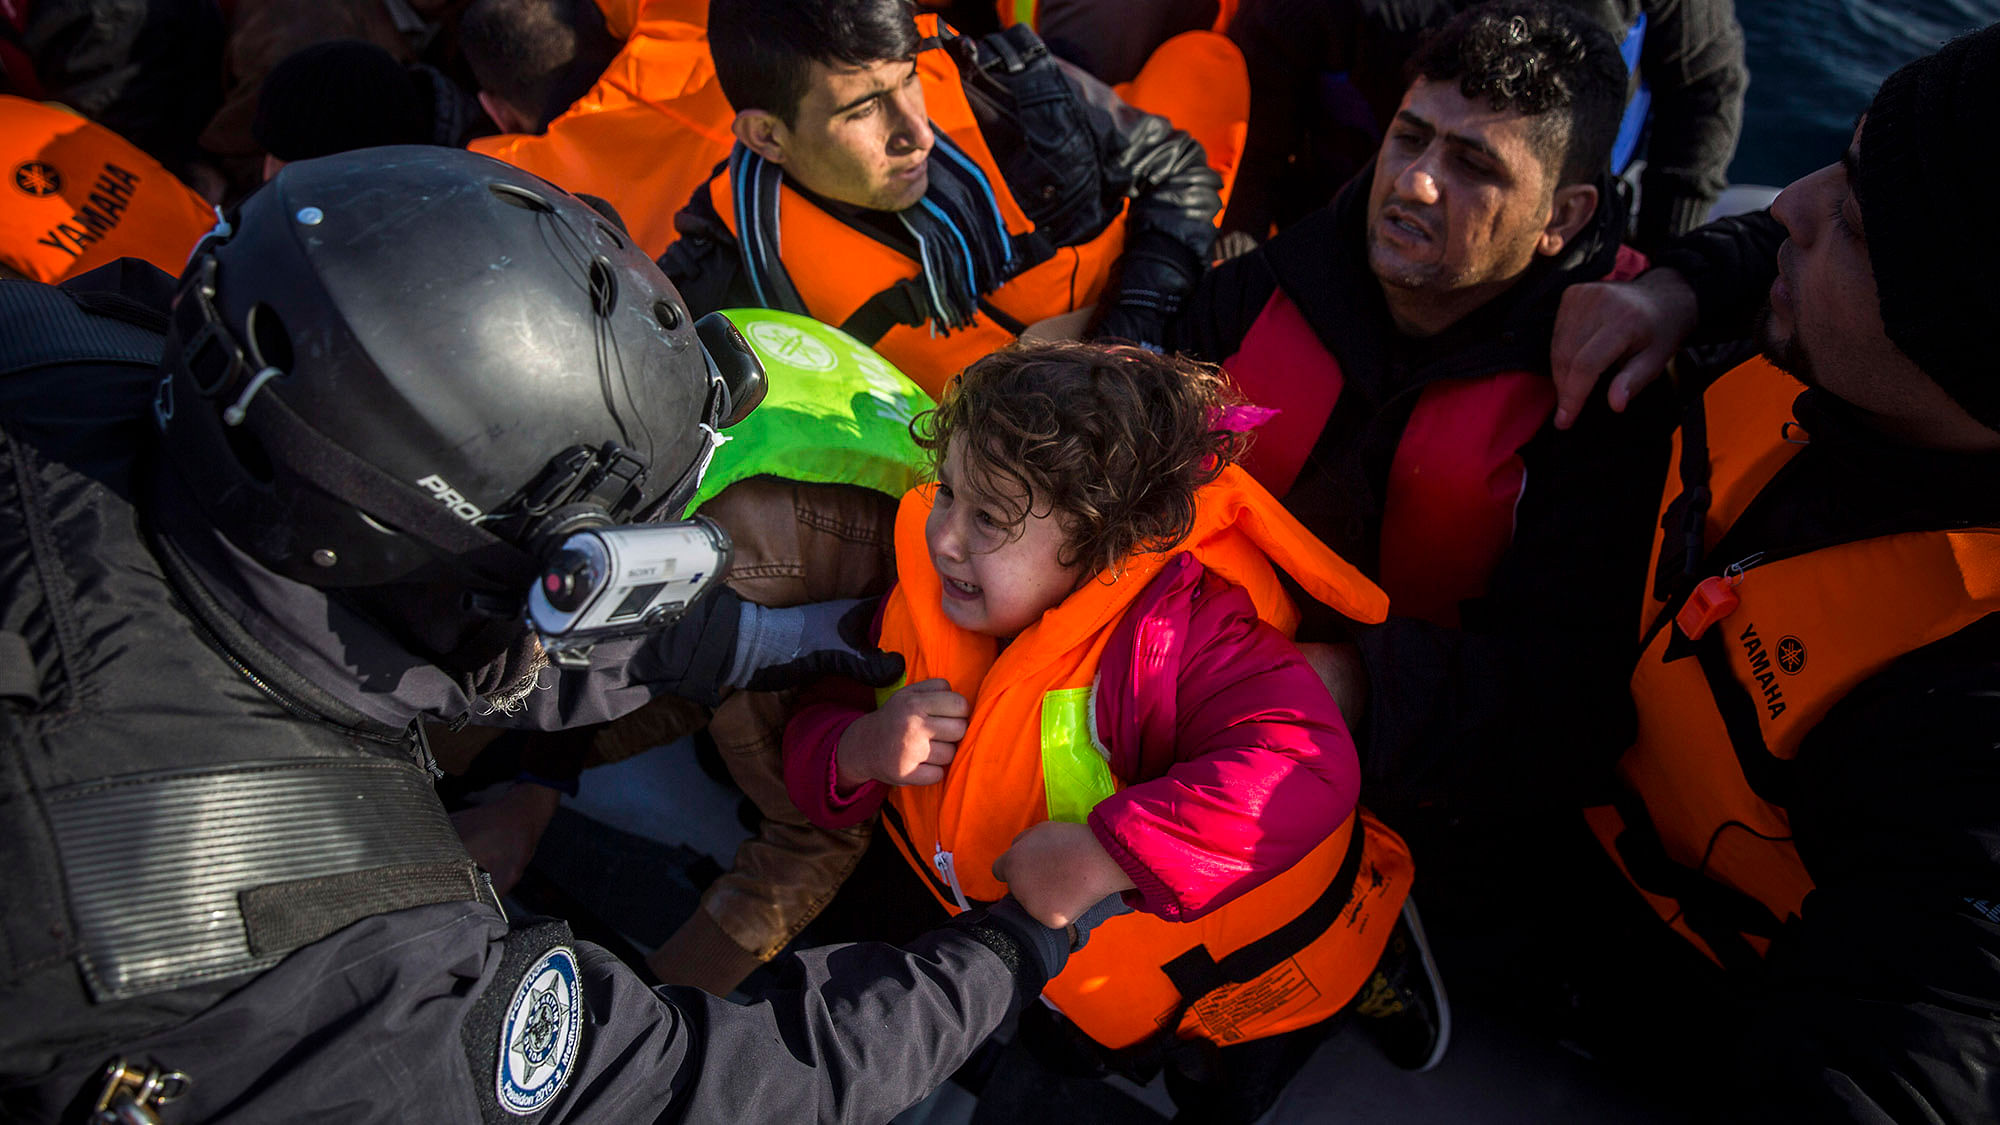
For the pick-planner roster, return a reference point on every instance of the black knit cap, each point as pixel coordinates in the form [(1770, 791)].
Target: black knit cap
[(338, 96), (1929, 168)]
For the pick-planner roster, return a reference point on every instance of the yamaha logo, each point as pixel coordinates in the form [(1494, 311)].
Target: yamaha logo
[(38, 178), (539, 1038), (1760, 661), (1791, 654)]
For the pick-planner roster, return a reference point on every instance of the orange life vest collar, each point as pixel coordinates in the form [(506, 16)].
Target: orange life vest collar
[(1239, 532)]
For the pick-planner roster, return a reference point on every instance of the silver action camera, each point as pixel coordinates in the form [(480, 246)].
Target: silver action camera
[(612, 582)]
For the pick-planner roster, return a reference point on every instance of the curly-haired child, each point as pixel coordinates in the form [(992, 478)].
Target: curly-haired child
[(1101, 699)]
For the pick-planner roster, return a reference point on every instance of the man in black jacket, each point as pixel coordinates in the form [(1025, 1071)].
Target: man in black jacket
[(831, 104), (245, 558), (1824, 822), (1402, 336), (1404, 330)]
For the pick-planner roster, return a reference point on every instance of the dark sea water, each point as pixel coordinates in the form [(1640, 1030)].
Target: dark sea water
[(1814, 65)]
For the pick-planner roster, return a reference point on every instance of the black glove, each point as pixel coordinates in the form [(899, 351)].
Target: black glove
[(781, 648), (1154, 273), (1014, 933), (1110, 906), (1142, 326)]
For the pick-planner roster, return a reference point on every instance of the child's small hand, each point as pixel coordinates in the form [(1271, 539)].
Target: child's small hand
[(908, 741), (1057, 870)]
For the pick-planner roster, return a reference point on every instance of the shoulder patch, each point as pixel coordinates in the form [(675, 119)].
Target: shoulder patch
[(539, 1037)]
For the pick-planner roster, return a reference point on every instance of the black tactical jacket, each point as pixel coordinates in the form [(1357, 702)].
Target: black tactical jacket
[(218, 866)]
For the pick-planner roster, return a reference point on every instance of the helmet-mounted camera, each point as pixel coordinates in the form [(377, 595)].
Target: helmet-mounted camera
[(613, 582)]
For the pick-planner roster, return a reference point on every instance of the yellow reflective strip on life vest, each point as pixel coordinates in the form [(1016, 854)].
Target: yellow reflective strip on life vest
[(1074, 775)]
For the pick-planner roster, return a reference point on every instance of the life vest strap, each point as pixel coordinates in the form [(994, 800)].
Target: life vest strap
[(1718, 914), (1006, 320), (1770, 777), (899, 304), (1688, 514), (42, 325), (1196, 973)]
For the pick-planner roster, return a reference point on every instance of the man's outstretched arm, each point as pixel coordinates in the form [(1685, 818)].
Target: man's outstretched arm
[(853, 1033)]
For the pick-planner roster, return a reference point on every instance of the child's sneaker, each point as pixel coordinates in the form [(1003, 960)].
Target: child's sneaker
[(1403, 1001)]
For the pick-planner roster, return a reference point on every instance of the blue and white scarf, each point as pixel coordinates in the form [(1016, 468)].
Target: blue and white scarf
[(957, 231)]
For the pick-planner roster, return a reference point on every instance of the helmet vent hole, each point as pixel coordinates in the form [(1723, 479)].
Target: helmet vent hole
[(668, 314), (611, 235), (516, 196), (603, 286), (269, 341)]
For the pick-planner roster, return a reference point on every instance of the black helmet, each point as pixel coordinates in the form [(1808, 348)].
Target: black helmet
[(417, 365)]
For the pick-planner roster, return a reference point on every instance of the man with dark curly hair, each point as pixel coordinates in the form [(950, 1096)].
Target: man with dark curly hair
[(1403, 335), (1326, 77)]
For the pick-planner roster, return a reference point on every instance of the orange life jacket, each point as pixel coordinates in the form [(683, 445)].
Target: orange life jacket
[(838, 270), (647, 133), (1199, 81), (1734, 677), (1457, 475), (80, 195), (1286, 954)]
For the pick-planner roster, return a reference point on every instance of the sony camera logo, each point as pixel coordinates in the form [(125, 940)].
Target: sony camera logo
[(448, 496)]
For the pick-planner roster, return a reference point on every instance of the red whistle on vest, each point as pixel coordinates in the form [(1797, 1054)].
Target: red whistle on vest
[(1713, 599)]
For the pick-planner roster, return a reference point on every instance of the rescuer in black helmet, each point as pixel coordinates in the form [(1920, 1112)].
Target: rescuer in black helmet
[(400, 377), (253, 526)]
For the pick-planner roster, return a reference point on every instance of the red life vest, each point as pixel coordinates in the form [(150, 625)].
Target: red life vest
[(1725, 696), (1457, 474)]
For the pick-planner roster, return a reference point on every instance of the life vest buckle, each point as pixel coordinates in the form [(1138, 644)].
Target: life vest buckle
[(1713, 599)]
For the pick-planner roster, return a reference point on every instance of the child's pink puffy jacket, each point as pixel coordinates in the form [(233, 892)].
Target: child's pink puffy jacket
[(1235, 761)]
